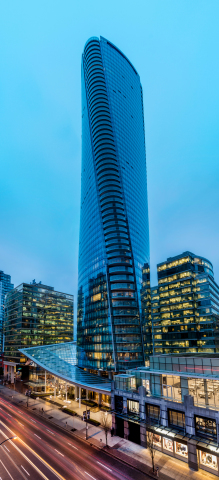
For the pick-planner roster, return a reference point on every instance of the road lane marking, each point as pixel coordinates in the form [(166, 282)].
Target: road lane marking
[(9, 414), (58, 475), (37, 436), (50, 431), (25, 470), (7, 448), (73, 446), (105, 466), (90, 476), (59, 453), (21, 424), (33, 420), (6, 470)]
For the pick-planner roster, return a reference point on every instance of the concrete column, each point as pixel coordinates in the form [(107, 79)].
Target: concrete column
[(79, 397), (12, 374), (5, 370), (99, 398), (76, 392), (192, 455), (163, 414), (126, 430), (45, 381), (110, 375), (66, 391), (189, 414), (142, 414), (125, 408), (87, 394), (55, 391)]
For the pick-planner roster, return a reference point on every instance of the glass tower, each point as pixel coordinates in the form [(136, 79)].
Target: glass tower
[(5, 286), (36, 314), (114, 233), (185, 306)]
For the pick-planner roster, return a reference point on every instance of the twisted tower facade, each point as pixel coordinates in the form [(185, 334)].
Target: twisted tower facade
[(114, 232)]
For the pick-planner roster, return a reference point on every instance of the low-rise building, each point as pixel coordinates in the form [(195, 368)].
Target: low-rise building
[(176, 400)]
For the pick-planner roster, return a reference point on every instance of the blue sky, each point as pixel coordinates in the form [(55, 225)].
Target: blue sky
[(174, 46)]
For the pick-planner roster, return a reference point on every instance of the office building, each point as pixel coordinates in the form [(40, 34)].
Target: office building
[(185, 306), (36, 314), (114, 236), (5, 286)]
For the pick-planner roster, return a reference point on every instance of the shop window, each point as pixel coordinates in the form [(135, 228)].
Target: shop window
[(206, 427), (168, 444), (157, 440), (208, 460), (181, 449), (176, 419)]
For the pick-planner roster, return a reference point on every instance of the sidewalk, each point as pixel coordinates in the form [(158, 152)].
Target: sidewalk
[(129, 452)]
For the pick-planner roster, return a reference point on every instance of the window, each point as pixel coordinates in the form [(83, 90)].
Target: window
[(176, 419), (206, 427), (153, 413)]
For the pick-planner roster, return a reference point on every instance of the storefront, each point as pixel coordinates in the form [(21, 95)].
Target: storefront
[(170, 444), (208, 460), (177, 446)]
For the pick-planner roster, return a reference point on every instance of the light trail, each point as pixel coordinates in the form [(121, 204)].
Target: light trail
[(6, 470), (90, 475), (34, 453), (72, 446)]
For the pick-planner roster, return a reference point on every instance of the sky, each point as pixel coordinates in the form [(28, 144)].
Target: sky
[(174, 47)]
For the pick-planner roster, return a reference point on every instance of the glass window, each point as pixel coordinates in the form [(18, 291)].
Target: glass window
[(168, 444), (133, 407), (181, 449), (208, 460), (206, 427), (176, 419), (153, 413)]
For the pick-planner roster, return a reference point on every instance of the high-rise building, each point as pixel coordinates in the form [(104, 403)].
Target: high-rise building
[(35, 314), (185, 306), (114, 233), (5, 286)]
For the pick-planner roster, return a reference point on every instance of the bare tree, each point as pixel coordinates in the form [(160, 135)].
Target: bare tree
[(151, 447), (106, 424)]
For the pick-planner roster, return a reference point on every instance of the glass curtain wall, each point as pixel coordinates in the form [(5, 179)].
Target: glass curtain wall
[(114, 239)]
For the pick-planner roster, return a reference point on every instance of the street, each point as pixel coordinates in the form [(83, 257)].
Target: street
[(42, 450)]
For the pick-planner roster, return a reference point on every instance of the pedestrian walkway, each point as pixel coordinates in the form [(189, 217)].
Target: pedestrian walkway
[(129, 452)]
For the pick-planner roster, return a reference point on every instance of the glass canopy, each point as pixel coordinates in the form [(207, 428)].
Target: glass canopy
[(60, 359)]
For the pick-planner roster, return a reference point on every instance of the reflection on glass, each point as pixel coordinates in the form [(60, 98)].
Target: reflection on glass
[(208, 460)]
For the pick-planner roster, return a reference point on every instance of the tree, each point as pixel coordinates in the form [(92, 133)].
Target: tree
[(106, 424), (151, 447)]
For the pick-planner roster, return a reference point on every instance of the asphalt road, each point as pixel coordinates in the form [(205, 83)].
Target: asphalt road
[(44, 451)]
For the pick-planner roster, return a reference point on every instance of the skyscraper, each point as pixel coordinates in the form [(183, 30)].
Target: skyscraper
[(5, 286), (114, 233)]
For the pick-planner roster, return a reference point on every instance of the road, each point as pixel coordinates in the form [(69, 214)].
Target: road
[(44, 451)]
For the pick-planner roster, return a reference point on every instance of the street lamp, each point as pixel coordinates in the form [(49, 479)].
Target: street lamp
[(11, 438)]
